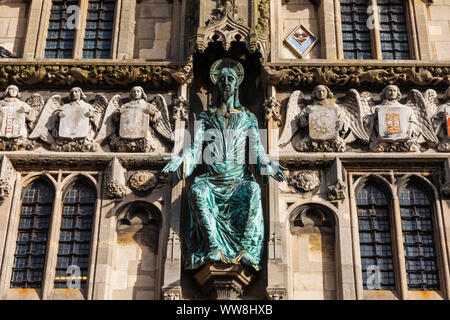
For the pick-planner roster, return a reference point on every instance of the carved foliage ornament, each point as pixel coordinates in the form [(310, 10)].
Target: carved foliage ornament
[(143, 180), (355, 76), (305, 181), (153, 76)]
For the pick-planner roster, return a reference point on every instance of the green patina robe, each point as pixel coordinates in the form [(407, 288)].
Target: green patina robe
[(226, 219)]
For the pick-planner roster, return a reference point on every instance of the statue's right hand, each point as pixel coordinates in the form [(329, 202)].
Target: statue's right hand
[(174, 163)]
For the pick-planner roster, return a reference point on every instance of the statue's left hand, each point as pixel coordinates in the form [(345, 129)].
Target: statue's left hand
[(274, 169)]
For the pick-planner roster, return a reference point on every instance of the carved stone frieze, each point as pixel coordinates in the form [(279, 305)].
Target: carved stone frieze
[(355, 75), (119, 74)]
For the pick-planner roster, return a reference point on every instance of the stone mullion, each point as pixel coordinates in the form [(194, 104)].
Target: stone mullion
[(401, 273), (94, 242), (10, 240), (375, 32), (52, 247), (355, 240), (80, 30), (116, 31)]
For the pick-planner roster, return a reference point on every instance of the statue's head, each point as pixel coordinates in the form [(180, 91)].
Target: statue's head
[(76, 94), (137, 93), (321, 93), (12, 91), (227, 83), (391, 93)]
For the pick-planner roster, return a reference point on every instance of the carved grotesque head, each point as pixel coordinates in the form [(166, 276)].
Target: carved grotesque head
[(391, 93), (227, 82), (321, 93), (76, 94), (137, 93), (12, 91)]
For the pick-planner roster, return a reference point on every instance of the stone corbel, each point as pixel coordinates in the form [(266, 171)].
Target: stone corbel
[(6, 178), (336, 190), (446, 186), (115, 185), (172, 293), (276, 293)]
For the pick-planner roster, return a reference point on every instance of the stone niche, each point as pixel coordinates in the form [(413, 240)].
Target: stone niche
[(312, 253), (135, 258)]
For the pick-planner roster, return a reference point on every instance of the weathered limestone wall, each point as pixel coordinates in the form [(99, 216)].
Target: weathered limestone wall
[(13, 25), (294, 13), (153, 30), (313, 266), (135, 266), (439, 29)]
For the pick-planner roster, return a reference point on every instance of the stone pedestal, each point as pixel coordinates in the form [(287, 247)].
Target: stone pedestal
[(223, 281)]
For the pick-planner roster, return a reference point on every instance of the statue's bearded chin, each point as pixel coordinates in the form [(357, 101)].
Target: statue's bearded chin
[(227, 92)]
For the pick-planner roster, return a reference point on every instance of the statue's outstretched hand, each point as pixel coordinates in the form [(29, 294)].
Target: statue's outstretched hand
[(274, 169), (174, 163)]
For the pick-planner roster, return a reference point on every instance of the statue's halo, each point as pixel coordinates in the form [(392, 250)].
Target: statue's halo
[(226, 63)]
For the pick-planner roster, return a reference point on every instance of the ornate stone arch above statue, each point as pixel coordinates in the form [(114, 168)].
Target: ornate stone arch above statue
[(225, 21)]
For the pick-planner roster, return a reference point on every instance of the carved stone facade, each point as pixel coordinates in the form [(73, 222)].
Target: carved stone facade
[(339, 126)]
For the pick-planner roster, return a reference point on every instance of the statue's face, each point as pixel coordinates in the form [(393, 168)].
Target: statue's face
[(227, 82), (321, 93), (12, 91), (76, 95), (136, 93), (432, 94), (391, 93)]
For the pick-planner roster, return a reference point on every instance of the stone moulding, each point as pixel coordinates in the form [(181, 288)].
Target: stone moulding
[(355, 74), (57, 74)]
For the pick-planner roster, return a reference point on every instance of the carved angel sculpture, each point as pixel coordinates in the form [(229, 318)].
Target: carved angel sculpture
[(441, 123), (326, 122), (16, 118), (127, 125), (70, 126), (400, 127)]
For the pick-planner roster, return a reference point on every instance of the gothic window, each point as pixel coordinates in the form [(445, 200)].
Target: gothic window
[(99, 26), (98, 18), (355, 34), (393, 33), (375, 238), (29, 258), (359, 29), (61, 35), (418, 239), (75, 235)]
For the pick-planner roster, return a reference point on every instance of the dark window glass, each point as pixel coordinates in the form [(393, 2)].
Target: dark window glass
[(75, 235), (355, 34), (61, 34), (99, 26), (393, 33), (375, 236), (418, 239), (29, 257)]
